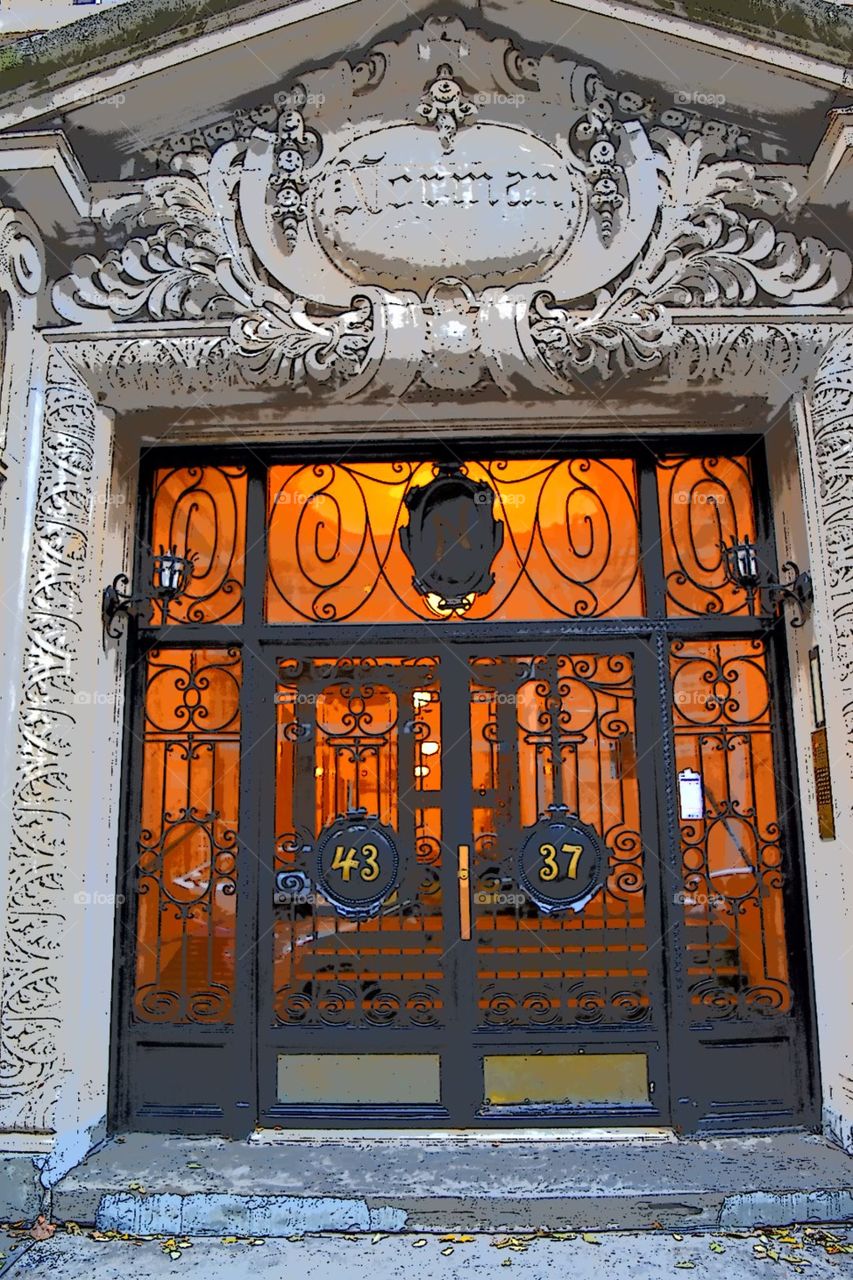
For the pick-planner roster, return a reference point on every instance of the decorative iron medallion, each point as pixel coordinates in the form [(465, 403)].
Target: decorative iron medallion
[(452, 539), (357, 864), (562, 862)]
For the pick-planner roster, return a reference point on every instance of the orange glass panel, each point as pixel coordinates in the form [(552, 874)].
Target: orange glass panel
[(187, 847), (732, 859), (362, 733), (705, 503), (564, 733), (202, 511), (570, 547)]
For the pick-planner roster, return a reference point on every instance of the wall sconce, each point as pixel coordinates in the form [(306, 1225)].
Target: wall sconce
[(742, 569), (170, 579)]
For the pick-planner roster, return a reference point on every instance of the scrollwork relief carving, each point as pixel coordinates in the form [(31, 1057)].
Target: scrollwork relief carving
[(559, 239), (31, 1065), (832, 425)]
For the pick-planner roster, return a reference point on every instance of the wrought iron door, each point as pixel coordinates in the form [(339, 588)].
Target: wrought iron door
[(420, 970), (423, 857)]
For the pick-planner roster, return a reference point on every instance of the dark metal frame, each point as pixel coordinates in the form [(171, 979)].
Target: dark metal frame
[(143, 1068)]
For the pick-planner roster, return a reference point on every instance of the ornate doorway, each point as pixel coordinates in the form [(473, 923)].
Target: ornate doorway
[(406, 853)]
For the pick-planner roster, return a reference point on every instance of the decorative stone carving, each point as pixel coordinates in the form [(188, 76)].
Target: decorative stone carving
[(30, 1063), (446, 106), (541, 237), (21, 255), (832, 424)]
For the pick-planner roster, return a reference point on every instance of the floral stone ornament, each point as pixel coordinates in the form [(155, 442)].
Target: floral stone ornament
[(445, 106)]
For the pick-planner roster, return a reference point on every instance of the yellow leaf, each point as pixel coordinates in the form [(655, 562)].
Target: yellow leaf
[(507, 1262), (229, 1239), (455, 1239), (74, 1228), (588, 1238), (445, 1253), (418, 1244), (686, 1266), (716, 1247)]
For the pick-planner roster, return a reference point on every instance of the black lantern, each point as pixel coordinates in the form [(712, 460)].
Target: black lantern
[(451, 540), (169, 579), (743, 569)]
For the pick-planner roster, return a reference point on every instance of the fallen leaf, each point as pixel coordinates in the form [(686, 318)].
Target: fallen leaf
[(418, 1244), (229, 1239), (193, 1164), (135, 1186), (455, 1239), (716, 1247), (507, 1262), (73, 1228), (445, 1253), (174, 1253), (256, 1241), (675, 1237), (686, 1266), (562, 1235), (588, 1238), (42, 1229), (295, 1239)]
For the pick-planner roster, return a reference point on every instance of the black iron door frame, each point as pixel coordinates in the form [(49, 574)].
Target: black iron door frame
[(144, 1058)]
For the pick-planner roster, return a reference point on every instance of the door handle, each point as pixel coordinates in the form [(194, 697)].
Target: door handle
[(464, 877)]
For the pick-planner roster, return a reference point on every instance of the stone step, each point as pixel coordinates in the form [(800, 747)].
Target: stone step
[(276, 1184)]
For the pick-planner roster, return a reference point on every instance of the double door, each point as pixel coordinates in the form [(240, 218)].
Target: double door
[(460, 922)]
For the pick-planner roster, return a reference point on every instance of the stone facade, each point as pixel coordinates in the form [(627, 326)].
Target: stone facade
[(600, 246)]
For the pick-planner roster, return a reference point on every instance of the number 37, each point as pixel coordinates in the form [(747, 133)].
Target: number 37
[(550, 869)]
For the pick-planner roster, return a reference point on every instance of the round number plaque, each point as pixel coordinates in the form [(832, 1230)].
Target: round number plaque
[(562, 862), (357, 864)]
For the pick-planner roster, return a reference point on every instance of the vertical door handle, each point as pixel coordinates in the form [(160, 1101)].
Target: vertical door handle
[(464, 874)]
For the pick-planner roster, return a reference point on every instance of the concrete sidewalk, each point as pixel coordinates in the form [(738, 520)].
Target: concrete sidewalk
[(814, 1252)]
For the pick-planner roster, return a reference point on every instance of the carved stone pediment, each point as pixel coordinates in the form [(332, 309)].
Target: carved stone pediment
[(447, 210)]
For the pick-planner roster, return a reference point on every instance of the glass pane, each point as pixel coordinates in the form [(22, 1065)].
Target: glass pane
[(359, 734), (187, 845), (732, 860), (202, 511), (557, 730), (705, 503), (570, 546), (579, 1079)]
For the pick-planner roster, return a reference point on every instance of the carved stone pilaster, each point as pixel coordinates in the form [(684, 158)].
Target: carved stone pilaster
[(832, 427), (21, 278), (37, 887)]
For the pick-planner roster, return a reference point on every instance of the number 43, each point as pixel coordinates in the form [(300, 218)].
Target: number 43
[(347, 861), (551, 870)]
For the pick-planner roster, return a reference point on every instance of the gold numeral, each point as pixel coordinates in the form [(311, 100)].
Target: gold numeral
[(574, 851), (550, 869), (348, 861), (371, 853)]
